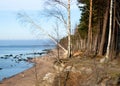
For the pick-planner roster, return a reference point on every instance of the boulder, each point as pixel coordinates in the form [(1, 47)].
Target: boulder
[(49, 77)]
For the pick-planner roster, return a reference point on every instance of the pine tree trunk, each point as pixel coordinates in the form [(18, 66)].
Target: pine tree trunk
[(89, 45), (95, 41), (103, 33)]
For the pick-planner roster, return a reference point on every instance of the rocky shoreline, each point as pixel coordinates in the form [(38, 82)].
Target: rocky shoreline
[(77, 71), (29, 77)]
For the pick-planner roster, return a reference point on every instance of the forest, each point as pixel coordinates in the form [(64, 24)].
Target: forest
[(99, 29)]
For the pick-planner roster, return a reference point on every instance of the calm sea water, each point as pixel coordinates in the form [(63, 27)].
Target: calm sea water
[(13, 55)]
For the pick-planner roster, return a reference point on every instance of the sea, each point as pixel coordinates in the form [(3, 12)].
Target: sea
[(15, 55)]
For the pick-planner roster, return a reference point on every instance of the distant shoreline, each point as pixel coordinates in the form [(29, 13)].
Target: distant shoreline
[(26, 42), (24, 45)]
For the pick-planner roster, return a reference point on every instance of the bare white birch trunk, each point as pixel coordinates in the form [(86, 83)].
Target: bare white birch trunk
[(69, 30), (110, 28)]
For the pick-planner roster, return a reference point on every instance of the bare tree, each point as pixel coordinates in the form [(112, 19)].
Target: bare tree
[(28, 19), (58, 13)]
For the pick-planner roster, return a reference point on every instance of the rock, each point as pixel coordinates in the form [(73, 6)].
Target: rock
[(7, 56), (59, 67), (21, 54), (10, 55), (86, 70), (20, 60), (1, 57), (49, 77), (4, 78), (65, 55), (17, 56), (104, 60), (70, 68), (22, 75), (41, 53), (25, 60), (29, 58), (105, 82)]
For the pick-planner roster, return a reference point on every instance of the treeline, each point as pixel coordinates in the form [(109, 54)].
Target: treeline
[(99, 29)]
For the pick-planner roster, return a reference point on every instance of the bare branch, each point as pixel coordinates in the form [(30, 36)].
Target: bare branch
[(56, 13), (117, 22), (30, 21), (59, 2)]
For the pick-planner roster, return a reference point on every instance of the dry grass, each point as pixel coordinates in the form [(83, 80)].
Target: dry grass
[(89, 72), (86, 71)]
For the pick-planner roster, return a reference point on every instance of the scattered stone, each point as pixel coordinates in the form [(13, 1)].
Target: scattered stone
[(59, 67), (21, 54), (4, 78), (104, 60), (1, 57), (15, 57), (41, 53), (22, 75), (6, 56), (70, 68), (29, 58), (49, 77), (20, 60), (10, 55), (45, 50), (86, 70), (25, 60)]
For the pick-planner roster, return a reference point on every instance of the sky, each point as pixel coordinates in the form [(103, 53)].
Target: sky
[(11, 28)]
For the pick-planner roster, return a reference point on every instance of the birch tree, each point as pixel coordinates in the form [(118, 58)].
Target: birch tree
[(110, 28), (57, 13), (29, 20), (69, 30)]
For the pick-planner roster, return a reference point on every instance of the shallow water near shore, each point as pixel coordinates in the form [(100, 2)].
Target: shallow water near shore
[(15, 58)]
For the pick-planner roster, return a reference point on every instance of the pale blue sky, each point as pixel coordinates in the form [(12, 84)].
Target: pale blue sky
[(12, 29)]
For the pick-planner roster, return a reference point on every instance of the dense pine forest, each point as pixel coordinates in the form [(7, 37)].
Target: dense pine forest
[(99, 29)]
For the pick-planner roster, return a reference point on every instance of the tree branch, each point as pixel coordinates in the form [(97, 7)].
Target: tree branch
[(60, 3), (29, 20), (117, 22)]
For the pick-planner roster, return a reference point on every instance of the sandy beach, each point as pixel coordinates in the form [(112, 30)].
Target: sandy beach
[(34, 75)]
